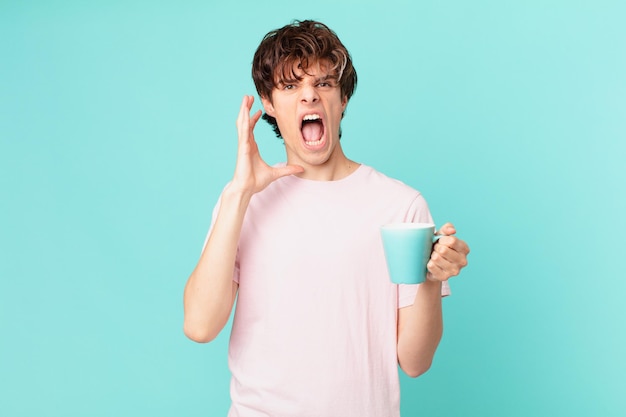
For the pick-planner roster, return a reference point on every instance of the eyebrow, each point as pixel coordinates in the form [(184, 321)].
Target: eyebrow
[(326, 77), (285, 81)]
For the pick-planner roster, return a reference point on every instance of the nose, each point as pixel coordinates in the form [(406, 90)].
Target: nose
[(309, 94)]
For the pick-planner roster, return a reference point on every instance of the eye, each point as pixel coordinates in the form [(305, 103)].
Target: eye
[(288, 87), (324, 84)]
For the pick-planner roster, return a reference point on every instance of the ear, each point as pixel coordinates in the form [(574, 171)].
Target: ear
[(267, 105), (344, 103)]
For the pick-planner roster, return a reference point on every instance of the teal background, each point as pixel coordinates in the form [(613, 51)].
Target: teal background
[(117, 134)]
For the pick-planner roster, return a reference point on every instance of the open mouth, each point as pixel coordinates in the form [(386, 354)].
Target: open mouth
[(312, 129)]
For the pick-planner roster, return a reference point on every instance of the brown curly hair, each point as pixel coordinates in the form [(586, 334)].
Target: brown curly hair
[(300, 44)]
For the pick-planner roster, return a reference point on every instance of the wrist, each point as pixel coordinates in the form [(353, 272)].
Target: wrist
[(235, 201), (232, 192), (432, 285)]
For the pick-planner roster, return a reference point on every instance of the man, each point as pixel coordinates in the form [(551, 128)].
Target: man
[(319, 330)]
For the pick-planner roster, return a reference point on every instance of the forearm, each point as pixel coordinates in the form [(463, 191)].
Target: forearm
[(420, 327), (210, 290)]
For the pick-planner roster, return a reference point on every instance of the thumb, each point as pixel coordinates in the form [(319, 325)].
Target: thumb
[(287, 170), (446, 230)]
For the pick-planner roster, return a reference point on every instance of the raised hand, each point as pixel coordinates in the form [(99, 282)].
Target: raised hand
[(252, 174)]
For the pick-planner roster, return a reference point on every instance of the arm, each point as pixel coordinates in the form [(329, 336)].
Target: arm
[(420, 325), (210, 291)]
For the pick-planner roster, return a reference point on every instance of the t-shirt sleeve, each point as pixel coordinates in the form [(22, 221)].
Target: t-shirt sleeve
[(407, 293), (418, 212), (216, 210)]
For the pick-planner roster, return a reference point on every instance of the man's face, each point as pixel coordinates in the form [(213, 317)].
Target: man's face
[(308, 112)]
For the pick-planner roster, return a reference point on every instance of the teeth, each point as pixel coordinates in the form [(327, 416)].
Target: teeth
[(313, 142), (311, 117)]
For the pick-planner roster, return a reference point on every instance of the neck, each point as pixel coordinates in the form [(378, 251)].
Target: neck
[(334, 169)]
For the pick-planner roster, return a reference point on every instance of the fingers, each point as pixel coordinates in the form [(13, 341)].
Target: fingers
[(244, 111), (453, 243), (255, 118), (245, 123), (441, 269), (449, 256), (446, 230)]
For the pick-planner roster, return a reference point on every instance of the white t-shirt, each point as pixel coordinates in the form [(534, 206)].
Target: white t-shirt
[(315, 326)]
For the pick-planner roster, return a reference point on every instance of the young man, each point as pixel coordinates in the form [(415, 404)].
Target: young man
[(319, 330)]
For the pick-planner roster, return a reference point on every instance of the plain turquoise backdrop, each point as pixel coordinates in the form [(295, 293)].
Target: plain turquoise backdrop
[(117, 134)]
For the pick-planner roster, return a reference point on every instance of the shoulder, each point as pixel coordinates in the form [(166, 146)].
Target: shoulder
[(395, 198), (388, 184)]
